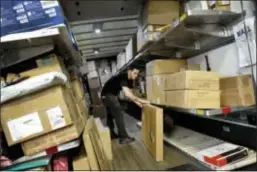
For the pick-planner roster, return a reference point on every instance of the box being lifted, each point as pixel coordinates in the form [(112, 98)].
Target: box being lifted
[(37, 114)]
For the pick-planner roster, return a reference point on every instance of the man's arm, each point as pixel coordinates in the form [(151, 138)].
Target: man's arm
[(128, 93)]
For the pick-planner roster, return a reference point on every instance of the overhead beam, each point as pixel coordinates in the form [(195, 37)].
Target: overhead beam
[(123, 43), (105, 34), (100, 56), (131, 17), (104, 40), (102, 52), (106, 26)]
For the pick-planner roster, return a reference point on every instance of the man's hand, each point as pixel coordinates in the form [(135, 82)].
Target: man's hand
[(144, 101), (139, 104)]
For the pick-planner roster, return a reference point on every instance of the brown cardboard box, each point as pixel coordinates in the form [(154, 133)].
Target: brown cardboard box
[(80, 162), (157, 67), (54, 138), (191, 67), (42, 70), (241, 96), (236, 81), (194, 99), (194, 80), (37, 114), (159, 12), (78, 89), (152, 130)]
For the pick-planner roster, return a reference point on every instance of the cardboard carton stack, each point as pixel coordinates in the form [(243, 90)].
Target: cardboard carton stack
[(173, 83), (46, 118), (237, 91), (97, 153), (193, 90), (154, 16), (156, 72)]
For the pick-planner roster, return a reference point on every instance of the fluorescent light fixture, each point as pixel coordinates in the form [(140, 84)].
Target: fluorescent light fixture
[(97, 30), (96, 51)]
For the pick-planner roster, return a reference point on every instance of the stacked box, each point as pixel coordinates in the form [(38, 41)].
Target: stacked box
[(237, 91), (157, 72), (131, 49), (193, 90)]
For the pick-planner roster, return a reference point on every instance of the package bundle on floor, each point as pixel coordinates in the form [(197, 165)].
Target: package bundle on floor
[(45, 110)]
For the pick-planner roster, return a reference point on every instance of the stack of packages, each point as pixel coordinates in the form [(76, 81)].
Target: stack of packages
[(174, 83), (154, 18), (121, 59), (237, 91), (96, 154), (48, 118)]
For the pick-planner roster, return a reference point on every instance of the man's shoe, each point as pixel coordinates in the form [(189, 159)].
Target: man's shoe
[(127, 140), (114, 135)]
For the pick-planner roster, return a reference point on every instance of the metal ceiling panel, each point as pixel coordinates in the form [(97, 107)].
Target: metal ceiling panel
[(104, 40), (105, 34), (95, 56), (82, 28), (112, 48), (124, 43), (103, 52), (120, 24)]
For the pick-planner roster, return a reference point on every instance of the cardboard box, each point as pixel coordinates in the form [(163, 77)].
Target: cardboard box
[(194, 99), (91, 66), (131, 49), (80, 162), (155, 86), (241, 96), (159, 13), (152, 130), (236, 81), (78, 89), (196, 67), (42, 70), (114, 67), (193, 80), (55, 138), (157, 67), (92, 74), (145, 38), (37, 114)]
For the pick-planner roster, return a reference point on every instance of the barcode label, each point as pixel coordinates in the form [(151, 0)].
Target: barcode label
[(49, 4), (56, 117)]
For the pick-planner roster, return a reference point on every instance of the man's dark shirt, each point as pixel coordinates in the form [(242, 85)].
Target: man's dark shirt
[(116, 83)]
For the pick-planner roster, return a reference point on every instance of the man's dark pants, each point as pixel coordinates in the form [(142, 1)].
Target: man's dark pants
[(115, 111)]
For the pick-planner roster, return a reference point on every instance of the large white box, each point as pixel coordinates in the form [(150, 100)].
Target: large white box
[(91, 66), (92, 74), (131, 49), (121, 60)]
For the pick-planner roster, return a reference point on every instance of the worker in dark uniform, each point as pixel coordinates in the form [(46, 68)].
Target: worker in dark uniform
[(110, 94)]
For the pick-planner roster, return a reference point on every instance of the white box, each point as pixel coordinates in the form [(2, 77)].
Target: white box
[(121, 60), (91, 66), (92, 74), (114, 67), (83, 69)]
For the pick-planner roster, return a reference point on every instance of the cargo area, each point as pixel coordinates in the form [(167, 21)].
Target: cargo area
[(133, 85)]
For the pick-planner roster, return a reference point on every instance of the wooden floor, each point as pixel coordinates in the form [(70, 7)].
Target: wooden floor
[(135, 156)]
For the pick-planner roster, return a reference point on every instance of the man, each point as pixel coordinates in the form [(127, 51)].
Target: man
[(110, 94)]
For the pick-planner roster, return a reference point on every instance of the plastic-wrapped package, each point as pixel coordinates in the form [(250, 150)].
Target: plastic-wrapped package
[(32, 85)]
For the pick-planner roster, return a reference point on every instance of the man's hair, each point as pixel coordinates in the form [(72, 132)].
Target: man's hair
[(132, 67)]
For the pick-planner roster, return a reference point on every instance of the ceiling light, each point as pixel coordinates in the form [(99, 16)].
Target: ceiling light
[(96, 51), (97, 30)]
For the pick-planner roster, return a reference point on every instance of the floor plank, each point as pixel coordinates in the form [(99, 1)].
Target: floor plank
[(135, 156)]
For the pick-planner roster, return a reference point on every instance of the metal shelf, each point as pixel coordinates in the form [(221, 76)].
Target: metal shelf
[(23, 46)]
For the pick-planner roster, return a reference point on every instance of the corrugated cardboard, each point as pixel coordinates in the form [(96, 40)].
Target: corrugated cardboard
[(155, 86), (80, 162), (77, 88), (157, 67), (241, 96), (236, 81), (194, 80), (152, 130), (196, 67), (54, 138), (159, 13), (42, 70), (39, 113), (194, 99)]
